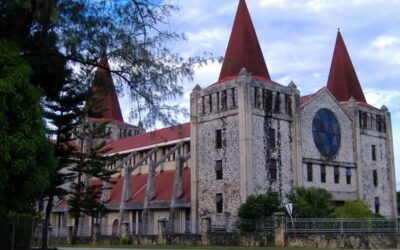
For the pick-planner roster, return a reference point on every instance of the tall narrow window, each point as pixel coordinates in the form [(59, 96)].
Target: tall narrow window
[(268, 100), (309, 172), (218, 169), (277, 102), (218, 138), (257, 102), (364, 120), (273, 173), (373, 152), (210, 104), (288, 104), (375, 177), (336, 175), (218, 102), (271, 138), (219, 202), (348, 175), (323, 173), (203, 105), (377, 205), (224, 100), (379, 123), (233, 98)]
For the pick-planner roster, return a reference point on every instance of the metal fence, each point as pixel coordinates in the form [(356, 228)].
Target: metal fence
[(341, 226), (17, 234)]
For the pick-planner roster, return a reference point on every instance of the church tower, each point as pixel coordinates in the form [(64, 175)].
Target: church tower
[(103, 107), (373, 143), (242, 130)]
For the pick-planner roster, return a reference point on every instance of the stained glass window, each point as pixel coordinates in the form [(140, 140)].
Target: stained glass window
[(326, 132)]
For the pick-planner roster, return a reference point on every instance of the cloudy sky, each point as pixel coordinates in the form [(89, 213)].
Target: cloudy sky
[(297, 38)]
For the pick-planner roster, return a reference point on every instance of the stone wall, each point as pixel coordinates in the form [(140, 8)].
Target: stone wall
[(348, 241), (370, 137), (241, 239), (262, 155), (229, 185)]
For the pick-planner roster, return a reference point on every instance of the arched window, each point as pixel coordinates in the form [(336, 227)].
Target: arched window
[(115, 227)]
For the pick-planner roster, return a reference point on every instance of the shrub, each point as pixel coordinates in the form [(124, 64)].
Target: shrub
[(311, 202), (124, 240), (353, 209)]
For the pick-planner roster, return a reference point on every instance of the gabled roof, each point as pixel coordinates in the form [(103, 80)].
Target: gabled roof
[(103, 90), (243, 50), (343, 82), (151, 138)]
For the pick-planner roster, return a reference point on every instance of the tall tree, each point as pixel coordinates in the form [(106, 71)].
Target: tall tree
[(25, 155), (62, 113), (84, 197)]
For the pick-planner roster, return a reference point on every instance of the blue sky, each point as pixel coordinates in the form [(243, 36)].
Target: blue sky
[(297, 39)]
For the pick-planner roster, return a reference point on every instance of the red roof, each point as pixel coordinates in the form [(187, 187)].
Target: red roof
[(304, 99), (150, 138), (104, 91), (243, 50), (343, 82), (164, 182)]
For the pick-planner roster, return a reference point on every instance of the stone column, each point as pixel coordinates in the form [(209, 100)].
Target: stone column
[(280, 229), (205, 229), (245, 134), (161, 231), (124, 229), (96, 233), (194, 119), (69, 234)]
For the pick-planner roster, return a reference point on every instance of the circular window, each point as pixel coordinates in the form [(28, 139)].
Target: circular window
[(326, 132)]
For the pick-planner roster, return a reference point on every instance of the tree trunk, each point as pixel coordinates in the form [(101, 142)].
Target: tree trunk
[(45, 228), (75, 230)]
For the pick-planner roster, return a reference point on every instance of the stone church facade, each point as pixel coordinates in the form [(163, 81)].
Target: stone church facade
[(247, 135)]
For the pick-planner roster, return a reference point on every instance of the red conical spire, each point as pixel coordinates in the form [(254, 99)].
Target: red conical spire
[(243, 50), (104, 92), (343, 82)]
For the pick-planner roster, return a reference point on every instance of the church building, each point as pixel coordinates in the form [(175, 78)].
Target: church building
[(247, 135)]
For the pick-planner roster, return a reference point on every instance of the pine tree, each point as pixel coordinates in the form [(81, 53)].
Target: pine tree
[(62, 113)]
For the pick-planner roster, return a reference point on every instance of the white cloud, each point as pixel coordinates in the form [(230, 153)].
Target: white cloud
[(385, 41), (208, 36), (274, 3)]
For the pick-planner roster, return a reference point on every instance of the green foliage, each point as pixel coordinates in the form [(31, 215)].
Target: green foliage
[(259, 206), (353, 209), (134, 35), (25, 156), (124, 240), (310, 202)]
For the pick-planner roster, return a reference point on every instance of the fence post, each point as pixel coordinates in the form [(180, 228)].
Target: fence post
[(279, 228), (96, 232), (205, 229), (69, 234), (161, 231)]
